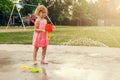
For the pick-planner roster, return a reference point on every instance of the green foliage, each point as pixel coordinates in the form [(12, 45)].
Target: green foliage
[(59, 10), (81, 11), (6, 6)]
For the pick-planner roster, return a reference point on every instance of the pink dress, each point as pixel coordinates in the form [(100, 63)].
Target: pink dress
[(40, 38)]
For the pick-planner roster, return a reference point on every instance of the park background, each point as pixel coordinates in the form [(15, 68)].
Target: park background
[(78, 22)]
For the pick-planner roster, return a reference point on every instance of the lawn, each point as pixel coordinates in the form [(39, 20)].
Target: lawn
[(66, 35)]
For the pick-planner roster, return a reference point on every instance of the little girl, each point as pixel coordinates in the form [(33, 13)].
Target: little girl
[(39, 36)]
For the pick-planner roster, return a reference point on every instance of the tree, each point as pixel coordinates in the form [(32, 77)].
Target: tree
[(92, 11), (5, 6), (65, 13), (60, 10), (80, 11), (106, 9)]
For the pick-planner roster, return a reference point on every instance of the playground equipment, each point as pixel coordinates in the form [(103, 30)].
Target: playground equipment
[(18, 4), (18, 7)]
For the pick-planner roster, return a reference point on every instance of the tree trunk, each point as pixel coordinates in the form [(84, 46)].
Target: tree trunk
[(78, 23)]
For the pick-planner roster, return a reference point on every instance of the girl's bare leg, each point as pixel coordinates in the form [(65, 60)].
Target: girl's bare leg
[(43, 55), (35, 55)]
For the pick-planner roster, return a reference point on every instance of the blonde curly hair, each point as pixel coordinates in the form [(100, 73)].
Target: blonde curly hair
[(40, 8)]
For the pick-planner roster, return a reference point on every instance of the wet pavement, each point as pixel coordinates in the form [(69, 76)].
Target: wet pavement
[(65, 63)]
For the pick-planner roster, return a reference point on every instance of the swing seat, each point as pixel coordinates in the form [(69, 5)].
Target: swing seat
[(48, 28)]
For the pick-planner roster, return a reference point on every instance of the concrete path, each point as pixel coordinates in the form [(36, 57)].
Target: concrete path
[(65, 63)]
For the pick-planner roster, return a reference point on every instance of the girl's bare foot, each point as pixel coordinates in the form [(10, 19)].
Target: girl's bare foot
[(42, 62), (35, 62)]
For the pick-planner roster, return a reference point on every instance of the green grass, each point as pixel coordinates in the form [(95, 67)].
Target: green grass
[(65, 35)]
